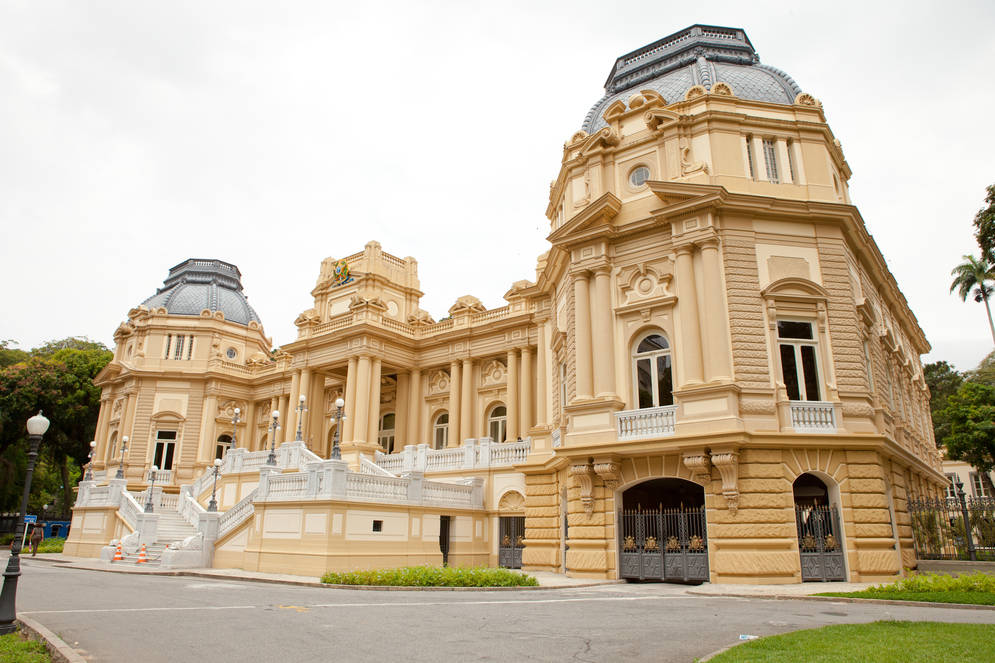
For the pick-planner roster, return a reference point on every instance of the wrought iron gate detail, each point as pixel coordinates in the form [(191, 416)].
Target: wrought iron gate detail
[(819, 543), (511, 540), (666, 544)]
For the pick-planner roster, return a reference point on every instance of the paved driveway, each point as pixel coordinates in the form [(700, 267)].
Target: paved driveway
[(153, 619)]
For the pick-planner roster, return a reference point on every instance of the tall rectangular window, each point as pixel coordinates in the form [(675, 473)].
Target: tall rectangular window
[(770, 159), (749, 157), (179, 347), (169, 339), (868, 367), (190, 348), (563, 386), (791, 162), (799, 365), (165, 445), (978, 487)]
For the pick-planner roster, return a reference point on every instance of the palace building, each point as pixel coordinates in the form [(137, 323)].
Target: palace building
[(712, 375)]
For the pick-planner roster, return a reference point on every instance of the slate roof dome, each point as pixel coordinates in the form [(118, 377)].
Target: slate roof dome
[(698, 55), (197, 284)]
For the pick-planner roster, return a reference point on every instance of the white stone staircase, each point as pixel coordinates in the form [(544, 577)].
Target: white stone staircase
[(172, 527)]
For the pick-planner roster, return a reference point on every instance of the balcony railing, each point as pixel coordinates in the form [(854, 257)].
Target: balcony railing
[(646, 422), (813, 416)]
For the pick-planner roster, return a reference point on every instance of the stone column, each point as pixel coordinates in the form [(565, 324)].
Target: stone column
[(100, 434), (207, 437), (525, 381), (247, 439), (542, 378), (361, 398), (582, 335), (284, 433), (414, 407), (373, 427), (291, 417), (349, 423), (511, 425), (716, 355), (466, 402), (454, 404), (305, 390), (401, 411), (601, 315), (687, 309)]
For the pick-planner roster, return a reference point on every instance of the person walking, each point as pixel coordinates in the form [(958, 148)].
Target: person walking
[(37, 536)]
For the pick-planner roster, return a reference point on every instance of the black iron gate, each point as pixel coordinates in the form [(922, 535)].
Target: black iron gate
[(666, 544), (511, 540), (819, 543), (444, 522)]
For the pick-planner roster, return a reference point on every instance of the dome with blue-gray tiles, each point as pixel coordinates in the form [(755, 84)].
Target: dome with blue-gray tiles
[(198, 284)]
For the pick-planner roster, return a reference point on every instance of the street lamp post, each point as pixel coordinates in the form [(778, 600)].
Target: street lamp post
[(336, 452), (148, 500), (959, 489), (274, 427), (234, 428), (300, 418), (89, 465), (213, 504), (124, 450), (37, 425)]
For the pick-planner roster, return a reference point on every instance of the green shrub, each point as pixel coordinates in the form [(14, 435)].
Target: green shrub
[(934, 582), (51, 545), (431, 576), (5, 539)]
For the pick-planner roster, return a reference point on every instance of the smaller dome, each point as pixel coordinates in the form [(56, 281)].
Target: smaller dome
[(197, 284)]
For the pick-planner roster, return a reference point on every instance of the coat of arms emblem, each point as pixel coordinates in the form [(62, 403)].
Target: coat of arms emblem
[(340, 272)]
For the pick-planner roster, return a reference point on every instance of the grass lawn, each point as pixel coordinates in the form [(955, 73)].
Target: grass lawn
[(431, 576), (16, 649), (51, 545), (974, 588), (879, 642)]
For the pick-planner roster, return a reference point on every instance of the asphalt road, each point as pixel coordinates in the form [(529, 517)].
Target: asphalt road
[(153, 619)]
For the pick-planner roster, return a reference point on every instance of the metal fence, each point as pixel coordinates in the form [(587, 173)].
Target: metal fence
[(954, 528)]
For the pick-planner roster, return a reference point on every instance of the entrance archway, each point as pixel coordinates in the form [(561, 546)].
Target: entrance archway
[(820, 540), (661, 529)]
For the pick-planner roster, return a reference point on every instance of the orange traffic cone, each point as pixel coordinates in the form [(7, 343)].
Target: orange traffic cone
[(118, 557), (142, 559)]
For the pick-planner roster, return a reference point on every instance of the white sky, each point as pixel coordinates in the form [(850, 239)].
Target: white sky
[(134, 135)]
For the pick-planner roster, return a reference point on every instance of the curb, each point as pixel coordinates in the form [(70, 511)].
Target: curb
[(708, 657), (849, 599), (315, 583), (56, 646)]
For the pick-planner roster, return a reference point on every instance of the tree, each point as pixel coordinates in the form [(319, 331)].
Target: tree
[(943, 381), (971, 412), (9, 355), (975, 277), (58, 379), (984, 226), (985, 372)]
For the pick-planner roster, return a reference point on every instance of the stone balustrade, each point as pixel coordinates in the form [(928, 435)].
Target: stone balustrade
[(813, 416), (237, 515), (646, 422), (473, 455)]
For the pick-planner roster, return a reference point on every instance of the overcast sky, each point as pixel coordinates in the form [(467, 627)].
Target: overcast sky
[(134, 135)]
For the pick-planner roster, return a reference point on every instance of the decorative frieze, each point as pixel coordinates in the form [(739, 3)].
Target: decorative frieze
[(727, 462), (584, 476)]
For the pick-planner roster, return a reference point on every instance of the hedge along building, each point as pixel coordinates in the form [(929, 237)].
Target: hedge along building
[(714, 374)]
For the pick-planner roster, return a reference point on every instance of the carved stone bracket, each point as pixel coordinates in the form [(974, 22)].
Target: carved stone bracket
[(699, 465), (610, 472), (585, 482), (727, 462)]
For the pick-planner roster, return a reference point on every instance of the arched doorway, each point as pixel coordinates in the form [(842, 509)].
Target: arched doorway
[(511, 529), (662, 532), (820, 541)]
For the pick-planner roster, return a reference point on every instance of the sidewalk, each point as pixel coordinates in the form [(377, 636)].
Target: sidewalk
[(546, 579)]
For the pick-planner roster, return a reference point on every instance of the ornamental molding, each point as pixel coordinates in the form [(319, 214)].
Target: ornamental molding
[(585, 481), (610, 471), (727, 463), (698, 463)]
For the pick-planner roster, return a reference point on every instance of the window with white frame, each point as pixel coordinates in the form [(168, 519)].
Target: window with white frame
[(222, 446), (770, 159), (165, 446), (652, 372), (563, 386), (440, 431), (497, 423), (169, 339), (951, 491), (178, 352), (978, 485), (799, 366), (387, 432), (869, 367), (791, 162), (749, 157)]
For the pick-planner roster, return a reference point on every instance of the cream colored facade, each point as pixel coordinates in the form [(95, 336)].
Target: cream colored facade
[(704, 220)]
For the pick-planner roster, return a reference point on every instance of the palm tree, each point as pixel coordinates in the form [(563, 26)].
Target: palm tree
[(975, 277)]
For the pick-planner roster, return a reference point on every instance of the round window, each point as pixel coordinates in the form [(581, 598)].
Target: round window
[(231, 353), (638, 176)]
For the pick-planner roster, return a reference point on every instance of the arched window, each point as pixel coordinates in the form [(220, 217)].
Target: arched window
[(497, 423), (112, 448), (387, 432), (652, 372), (440, 431), (223, 445)]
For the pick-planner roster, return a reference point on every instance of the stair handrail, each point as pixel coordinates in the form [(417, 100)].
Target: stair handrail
[(189, 507), (366, 466), (238, 514), (129, 509)]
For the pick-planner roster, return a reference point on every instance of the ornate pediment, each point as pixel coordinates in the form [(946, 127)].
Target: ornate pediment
[(438, 382), (467, 304), (645, 281), (493, 373), (512, 501)]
